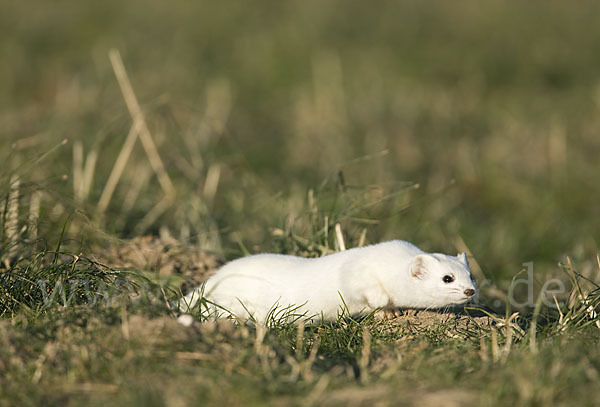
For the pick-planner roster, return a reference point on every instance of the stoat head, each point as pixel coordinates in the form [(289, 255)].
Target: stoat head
[(444, 280)]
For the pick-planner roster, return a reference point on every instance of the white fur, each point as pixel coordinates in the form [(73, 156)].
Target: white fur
[(391, 274)]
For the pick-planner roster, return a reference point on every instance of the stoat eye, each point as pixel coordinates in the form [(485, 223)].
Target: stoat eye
[(448, 279)]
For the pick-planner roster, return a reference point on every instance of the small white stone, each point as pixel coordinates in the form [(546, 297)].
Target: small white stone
[(185, 320)]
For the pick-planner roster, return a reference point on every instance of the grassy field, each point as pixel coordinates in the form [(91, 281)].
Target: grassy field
[(462, 126)]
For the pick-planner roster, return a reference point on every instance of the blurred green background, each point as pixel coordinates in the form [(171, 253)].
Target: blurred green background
[(492, 108)]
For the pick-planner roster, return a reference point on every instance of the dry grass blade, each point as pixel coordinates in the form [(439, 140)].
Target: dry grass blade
[(83, 174), (574, 278), (211, 183), (340, 237), (77, 170), (362, 238), (317, 391), (125, 323), (299, 338), (11, 225), (582, 294), (138, 119), (88, 173), (34, 214), (495, 348), (483, 351), (262, 350), (365, 355), (117, 170), (312, 357)]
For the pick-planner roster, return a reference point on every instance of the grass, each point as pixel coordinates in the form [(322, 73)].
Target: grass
[(129, 351), (297, 128)]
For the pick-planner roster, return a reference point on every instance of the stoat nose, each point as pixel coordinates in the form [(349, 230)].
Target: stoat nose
[(469, 292)]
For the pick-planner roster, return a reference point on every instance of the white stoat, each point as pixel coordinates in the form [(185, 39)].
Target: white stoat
[(394, 274)]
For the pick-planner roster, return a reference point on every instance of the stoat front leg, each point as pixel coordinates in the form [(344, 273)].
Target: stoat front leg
[(374, 297)]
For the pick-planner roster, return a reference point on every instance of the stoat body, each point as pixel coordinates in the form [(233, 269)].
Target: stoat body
[(394, 274)]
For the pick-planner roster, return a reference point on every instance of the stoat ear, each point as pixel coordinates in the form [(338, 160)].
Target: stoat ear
[(462, 257), (417, 267)]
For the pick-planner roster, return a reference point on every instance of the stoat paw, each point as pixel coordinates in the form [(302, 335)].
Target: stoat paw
[(388, 313)]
